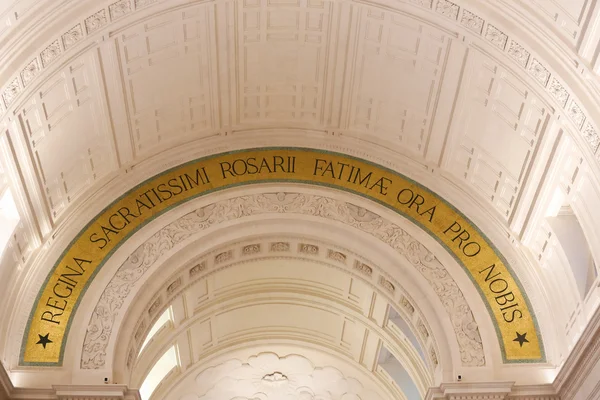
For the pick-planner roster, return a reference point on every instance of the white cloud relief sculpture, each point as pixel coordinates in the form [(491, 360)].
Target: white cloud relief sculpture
[(267, 376)]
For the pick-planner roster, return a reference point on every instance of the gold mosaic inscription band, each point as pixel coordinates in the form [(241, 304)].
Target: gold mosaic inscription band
[(46, 333)]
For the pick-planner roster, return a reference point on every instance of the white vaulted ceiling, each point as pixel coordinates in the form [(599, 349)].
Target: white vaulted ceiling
[(491, 104)]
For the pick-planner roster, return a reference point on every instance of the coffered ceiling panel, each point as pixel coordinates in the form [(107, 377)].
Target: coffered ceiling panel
[(567, 16), (395, 78), (166, 107), (282, 52), (498, 126), (68, 132)]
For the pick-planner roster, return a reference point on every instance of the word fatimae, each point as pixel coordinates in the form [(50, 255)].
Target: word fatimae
[(169, 190)]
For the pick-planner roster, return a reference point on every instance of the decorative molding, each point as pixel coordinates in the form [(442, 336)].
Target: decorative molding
[(72, 36), (65, 392), (518, 53), (280, 246), (308, 249), (447, 9), (491, 391), (407, 306), (95, 21), (251, 249), (336, 256), (119, 9), (472, 21), (576, 114), (558, 91), (11, 92), (387, 285), (539, 72), (591, 135), (96, 392), (131, 271), (30, 71), (496, 37), (50, 53), (363, 268)]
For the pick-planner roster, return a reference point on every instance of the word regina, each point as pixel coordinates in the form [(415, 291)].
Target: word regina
[(47, 330)]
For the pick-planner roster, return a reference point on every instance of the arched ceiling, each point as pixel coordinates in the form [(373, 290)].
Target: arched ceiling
[(359, 189)]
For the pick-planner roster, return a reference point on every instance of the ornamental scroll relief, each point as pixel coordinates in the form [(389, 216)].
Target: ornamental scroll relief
[(119, 289)]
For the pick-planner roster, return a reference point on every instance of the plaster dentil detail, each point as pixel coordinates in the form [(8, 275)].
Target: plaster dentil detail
[(267, 376), (118, 290)]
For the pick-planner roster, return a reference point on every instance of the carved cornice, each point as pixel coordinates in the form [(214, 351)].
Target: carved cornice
[(491, 391), (65, 392), (96, 392)]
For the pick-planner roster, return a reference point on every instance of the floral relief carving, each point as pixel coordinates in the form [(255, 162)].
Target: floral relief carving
[(195, 270), (50, 53), (591, 135), (155, 306), (119, 9), (518, 53), (72, 36), (336, 256), (423, 3), (95, 21), (280, 246), (472, 21), (433, 356), (447, 9), (407, 306), (558, 91), (140, 331), (144, 3), (363, 268), (539, 72), (11, 91), (30, 71), (496, 36), (224, 256), (422, 330), (174, 286), (126, 279), (308, 248), (576, 114), (387, 285), (251, 249)]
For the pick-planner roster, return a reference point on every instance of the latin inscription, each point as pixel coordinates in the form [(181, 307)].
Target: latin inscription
[(48, 326)]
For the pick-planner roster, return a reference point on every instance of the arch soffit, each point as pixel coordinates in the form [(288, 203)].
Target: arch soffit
[(158, 292), (363, 351), (165, 245)]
